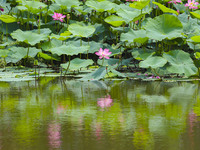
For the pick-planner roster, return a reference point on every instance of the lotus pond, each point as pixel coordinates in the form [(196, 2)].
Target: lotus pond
[(56, 113), (108, 38)]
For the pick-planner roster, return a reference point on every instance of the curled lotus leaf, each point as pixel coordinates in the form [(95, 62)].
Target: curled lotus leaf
[(7, 18), (165, 9)]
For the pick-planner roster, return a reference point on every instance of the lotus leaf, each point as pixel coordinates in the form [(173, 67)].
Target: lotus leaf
[(128, 15), (101, 6), (164, 27), (7, 18), (20, 52), (180, 62), (46, 56), (81, 31), (165, 9), (68, 3), (34, 6), (139, 4), (135, 36), (69, 50), (196, 39), (114, 20), (142, 54), (77, 64), (196, 14), (95, 75), (28, 37), (4, 53), (153, 62), (47, 46)]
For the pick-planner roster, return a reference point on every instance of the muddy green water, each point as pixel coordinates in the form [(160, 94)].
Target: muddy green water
[(99, 115)]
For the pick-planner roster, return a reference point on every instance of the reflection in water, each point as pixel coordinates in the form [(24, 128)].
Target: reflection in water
[(135, 115), (105, 102), (54, 136)]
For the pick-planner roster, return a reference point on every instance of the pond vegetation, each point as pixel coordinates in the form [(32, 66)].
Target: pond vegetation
[(96, 39)]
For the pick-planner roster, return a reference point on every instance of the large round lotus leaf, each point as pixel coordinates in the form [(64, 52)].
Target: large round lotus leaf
[(28, 37), (180, 62), (69, 50), (142, 54), (34, 6), (153, 62), (128, 15), (82, 31), (114, 20), (68, 3), (17, 53), (101, 6), (139, 36), (165, 9), (164, 27), (77, 64), (8, 18), (139, 4)]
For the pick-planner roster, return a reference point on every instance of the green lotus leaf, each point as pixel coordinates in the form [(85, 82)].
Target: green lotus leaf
[(47, 46), (81, 31), (68, 3), (61, 37), (164, 27), (4, 53), (77, 64), (142, 54), (180, 62), (69, 50), (153, 62), (114, 20), (34, 5), (101, 6), (196, 39), (46, 56), (8, 18), (128, 15), (95, 75), (139, 4), (196, 14), (197, 55), (20, 52), (131, 36), (28, 37), (165, 9)]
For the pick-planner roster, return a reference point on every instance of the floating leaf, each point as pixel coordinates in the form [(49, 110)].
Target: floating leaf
[(114, 20), (82, 31), (77, 64), (165, 9), (180, 62), (164, 27), (153, 62), (8, 18), (28, 37)]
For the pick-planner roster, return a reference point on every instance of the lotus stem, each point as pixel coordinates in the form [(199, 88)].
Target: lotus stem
[(103, 61), (67, 66)]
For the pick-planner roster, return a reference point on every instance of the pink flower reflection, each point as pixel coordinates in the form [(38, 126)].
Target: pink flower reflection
[(61, 108), (54, 135), (105, 102)]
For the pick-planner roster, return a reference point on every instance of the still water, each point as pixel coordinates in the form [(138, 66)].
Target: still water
[(99, 115)]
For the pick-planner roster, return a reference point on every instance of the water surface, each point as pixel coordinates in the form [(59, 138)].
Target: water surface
[(99, 115)]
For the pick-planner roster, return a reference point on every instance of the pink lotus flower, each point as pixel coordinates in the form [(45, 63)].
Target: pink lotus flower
[(192, 4), (105, 102), (103, 53), (58, 16), (175, 1)]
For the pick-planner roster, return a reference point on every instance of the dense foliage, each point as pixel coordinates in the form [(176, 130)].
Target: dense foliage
[(160, 38)]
